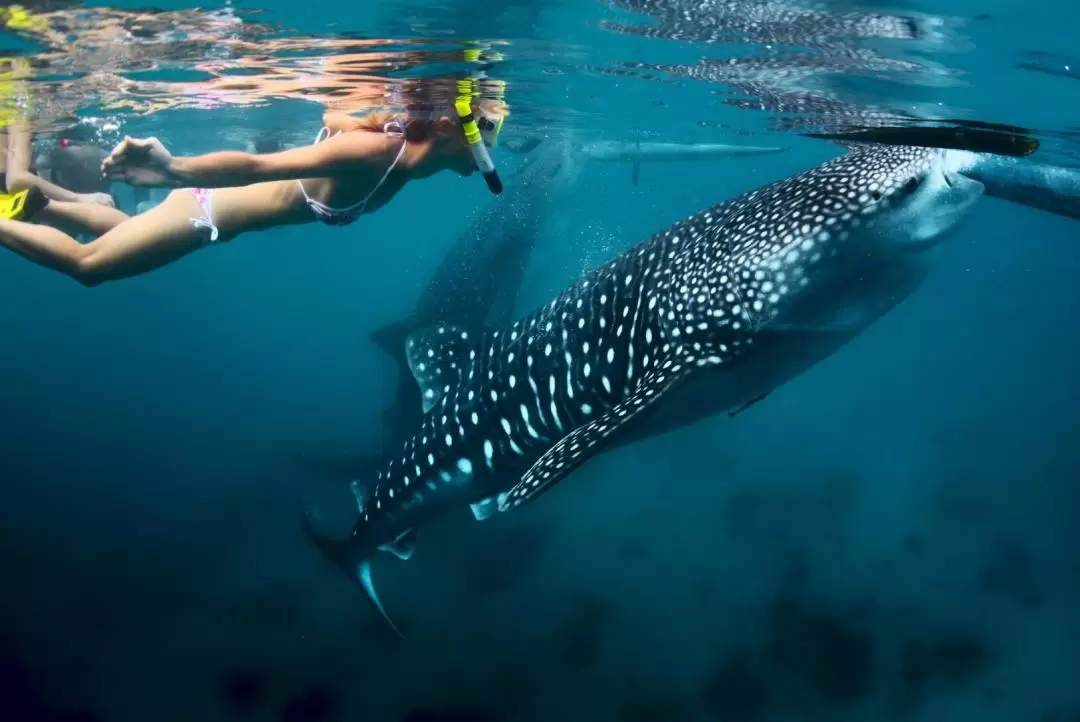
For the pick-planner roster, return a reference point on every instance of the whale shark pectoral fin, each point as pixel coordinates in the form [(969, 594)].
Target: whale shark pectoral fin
[(575, 448), (341, 553), (440, 357), (402, 547), (485, 508)]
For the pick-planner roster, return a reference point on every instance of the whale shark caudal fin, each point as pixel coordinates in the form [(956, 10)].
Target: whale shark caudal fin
[(342, 553), (572, 450)]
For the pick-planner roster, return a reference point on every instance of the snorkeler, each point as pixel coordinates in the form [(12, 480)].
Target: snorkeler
[(355, 166)]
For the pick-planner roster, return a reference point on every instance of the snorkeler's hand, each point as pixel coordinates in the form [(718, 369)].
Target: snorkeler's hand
[(99, 199), (140, 162)]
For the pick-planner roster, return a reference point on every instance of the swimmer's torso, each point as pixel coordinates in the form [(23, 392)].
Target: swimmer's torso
[(263, 205)]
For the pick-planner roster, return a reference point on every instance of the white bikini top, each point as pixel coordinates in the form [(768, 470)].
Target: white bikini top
[(344, 216)]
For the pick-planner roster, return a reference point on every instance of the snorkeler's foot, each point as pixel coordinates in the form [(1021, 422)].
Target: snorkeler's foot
[(98, 199), (22, 206), (35, 202)]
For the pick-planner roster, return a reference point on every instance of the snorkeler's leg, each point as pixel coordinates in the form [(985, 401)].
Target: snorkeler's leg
[(18, 176), (143, 243), (89, 217)]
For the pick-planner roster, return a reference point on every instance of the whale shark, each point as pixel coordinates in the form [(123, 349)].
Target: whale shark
[(718, 308), (1022, 181), (775, 23), (477, 281)]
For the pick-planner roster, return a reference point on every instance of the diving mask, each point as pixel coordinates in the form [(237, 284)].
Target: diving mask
[(490, 129)]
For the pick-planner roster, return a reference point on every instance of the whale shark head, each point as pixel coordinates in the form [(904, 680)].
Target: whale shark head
[(912, 198), (847, 239)]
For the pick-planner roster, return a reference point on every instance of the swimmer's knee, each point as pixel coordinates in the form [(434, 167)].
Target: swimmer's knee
[(86, 267), (16, 182)]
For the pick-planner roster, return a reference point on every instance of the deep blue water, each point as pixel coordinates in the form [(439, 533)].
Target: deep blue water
[(889, 536)]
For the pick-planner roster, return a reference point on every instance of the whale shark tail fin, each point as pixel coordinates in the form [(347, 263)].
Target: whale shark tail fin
[(347, 554)]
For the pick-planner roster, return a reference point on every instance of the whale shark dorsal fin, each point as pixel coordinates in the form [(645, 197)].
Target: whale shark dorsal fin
[(439, 357), (575, 448)]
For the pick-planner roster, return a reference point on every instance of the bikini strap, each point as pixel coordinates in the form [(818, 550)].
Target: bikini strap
[(323, 134), (397, 159), (322, 207)]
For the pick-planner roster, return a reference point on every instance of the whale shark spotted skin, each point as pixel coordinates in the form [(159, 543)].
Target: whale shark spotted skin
[(775, 22), (723, 306), (477, 281)]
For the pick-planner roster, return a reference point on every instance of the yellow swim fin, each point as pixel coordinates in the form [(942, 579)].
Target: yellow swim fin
[(23, 205), (16, 17)]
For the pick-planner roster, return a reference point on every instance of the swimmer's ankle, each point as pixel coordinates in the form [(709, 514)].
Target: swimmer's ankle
[(36, 201)]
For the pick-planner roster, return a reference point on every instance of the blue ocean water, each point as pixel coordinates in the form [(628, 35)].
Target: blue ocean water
[(889, 536)]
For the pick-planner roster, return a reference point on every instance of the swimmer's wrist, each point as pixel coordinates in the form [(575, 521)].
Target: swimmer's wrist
[(178, 172)]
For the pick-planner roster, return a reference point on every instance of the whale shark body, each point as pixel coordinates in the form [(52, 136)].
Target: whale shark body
[(477, 282), (718, 308)]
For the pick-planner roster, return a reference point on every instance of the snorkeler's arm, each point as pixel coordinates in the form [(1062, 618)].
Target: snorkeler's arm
[(146, 162), (20, 181), (18, 176), (334, 156)]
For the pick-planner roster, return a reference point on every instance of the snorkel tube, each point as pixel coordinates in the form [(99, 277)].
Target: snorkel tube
[(477, 147)]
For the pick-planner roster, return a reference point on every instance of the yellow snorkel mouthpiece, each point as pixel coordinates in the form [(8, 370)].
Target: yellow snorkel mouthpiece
[(476, 139)]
